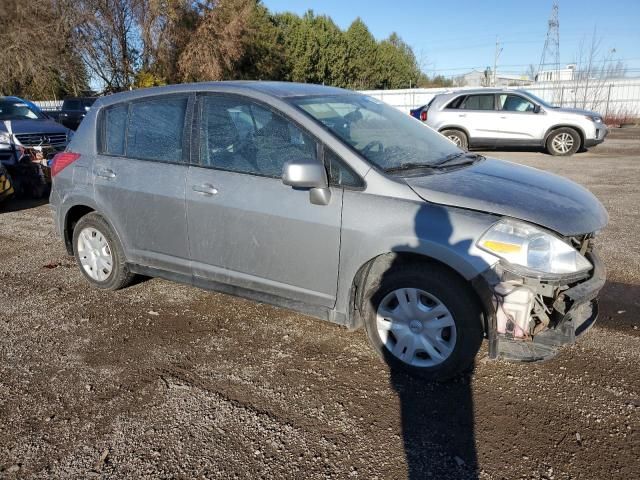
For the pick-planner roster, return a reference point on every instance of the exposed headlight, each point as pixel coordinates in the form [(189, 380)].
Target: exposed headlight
[(532, 249), (5, 140), (594, 118)]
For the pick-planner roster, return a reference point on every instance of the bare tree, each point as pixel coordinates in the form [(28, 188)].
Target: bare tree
[(38, 59), (108, 41), (218, 41), (594, 67)]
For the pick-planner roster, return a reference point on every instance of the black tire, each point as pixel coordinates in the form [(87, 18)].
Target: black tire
[(458, 137), (552, 145), (120, 275), (453, 292)]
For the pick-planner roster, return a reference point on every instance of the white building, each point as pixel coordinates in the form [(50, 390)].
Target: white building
[(562, 74)]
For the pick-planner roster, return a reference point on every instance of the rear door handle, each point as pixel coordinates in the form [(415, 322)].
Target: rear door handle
[(462, 115), (205, 189), (105, 173)]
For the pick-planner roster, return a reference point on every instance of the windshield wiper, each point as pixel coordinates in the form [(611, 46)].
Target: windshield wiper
[(409, 166), (453, 159)]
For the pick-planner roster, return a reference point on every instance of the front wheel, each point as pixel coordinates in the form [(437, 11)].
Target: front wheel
[(563, 142), (425, 320)]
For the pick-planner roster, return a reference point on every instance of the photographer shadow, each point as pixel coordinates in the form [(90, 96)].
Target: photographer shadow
[(437, 417)]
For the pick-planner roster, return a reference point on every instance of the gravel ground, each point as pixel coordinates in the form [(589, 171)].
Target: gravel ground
[(167, 381)]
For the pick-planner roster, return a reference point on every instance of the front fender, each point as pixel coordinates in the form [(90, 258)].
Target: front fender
[(375, 225)]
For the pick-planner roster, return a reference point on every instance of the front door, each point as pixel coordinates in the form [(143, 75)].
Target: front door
[(246, 228), (519, 120)]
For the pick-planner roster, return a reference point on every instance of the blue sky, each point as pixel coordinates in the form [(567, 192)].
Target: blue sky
[(451, 37)]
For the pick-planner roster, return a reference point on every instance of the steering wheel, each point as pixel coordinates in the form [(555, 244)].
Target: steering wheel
[(369, 146)]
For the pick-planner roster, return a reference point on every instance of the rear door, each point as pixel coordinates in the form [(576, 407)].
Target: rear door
[(139, 178), (246, 228), (477, 113)]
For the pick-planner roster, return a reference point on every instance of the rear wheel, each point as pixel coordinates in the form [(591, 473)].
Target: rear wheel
[(563, 142), (99, 253), (425, 320), (457, 137)]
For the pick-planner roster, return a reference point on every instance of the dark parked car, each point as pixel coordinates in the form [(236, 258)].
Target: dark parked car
[(28, 138), (337, 205), (73, 111)]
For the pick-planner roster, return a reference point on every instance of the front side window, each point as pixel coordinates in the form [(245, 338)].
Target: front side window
[(339, 173), (479, 102), (383, 135), (156, 129), (514, 103), (239, 135)]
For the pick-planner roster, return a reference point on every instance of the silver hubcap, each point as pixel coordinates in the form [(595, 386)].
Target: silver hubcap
[(416, 327), (563, 142), (94, 254), (455, 139)]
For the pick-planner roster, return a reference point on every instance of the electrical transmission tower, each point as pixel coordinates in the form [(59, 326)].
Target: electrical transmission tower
[(551, 51)]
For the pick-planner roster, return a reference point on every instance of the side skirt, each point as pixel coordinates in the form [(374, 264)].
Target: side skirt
[(316, 311)]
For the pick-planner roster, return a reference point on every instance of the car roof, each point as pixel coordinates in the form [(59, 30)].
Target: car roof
[(279, 90)]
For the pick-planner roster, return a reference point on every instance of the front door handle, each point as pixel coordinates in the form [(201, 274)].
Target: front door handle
[(105, 173), (462, 115), (205, 189)]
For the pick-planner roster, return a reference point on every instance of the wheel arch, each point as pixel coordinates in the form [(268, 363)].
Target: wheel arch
[(550, 131), (455, 127), (377, 265), (71, 218)]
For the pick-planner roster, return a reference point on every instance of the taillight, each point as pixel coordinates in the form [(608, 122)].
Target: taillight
[(423, 115), (61, 161)]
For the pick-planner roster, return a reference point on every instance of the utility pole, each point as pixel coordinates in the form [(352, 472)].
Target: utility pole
[(495, 60)]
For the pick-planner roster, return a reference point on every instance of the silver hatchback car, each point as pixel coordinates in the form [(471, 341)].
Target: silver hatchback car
[(506, 118), (331, 203)]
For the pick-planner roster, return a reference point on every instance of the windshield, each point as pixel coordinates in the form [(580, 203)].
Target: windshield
[(18, 110), (382, 134), (537, 99)]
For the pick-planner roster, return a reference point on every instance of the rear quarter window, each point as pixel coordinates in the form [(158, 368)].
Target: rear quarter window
[(114, 127)]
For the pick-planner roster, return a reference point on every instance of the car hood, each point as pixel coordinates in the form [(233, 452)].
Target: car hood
[(36, 126), (576, 111), (505, 188)]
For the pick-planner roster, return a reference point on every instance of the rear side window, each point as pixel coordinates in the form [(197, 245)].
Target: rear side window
[(479, 102), (456, 102), (115, 124), (156, 129)]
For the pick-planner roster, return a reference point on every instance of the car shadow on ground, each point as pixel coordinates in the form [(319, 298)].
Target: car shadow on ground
[(620, 307), (18, 204)]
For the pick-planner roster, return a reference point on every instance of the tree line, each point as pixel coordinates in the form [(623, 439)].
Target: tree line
[(54, 48)]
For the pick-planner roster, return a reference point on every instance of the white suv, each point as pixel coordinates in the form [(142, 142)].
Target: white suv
[(503, 117)]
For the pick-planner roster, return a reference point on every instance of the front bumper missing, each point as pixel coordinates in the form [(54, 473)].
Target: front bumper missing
[(574, 311)]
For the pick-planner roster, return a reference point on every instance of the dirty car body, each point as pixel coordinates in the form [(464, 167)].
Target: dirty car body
[(336, 205)]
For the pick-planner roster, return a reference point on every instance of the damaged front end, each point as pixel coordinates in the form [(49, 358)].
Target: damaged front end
[(531, 313)]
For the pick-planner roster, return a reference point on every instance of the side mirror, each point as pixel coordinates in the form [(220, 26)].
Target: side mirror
[(308, 174), (536, 109)]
